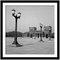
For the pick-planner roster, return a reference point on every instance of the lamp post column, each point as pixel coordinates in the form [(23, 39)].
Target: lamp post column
[(15, 42), (15, 38), (41, 33), (16, 31), (50, 33)]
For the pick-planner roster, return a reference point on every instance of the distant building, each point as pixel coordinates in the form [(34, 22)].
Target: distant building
[(47, 30), (33, 32), (26, 34), (32, 29)]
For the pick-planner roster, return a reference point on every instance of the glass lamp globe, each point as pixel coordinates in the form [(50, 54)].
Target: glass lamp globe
[(41, 24), (13, 11), (19, 14)]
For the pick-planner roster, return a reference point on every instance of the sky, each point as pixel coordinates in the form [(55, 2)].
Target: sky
[(31, 16)]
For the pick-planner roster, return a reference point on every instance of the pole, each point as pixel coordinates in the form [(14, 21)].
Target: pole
[(15, 42), (16, 31), (50, 33), (41, 34), (15, 38)]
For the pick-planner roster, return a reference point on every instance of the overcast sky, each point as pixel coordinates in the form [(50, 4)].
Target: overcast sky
[(31, 16)]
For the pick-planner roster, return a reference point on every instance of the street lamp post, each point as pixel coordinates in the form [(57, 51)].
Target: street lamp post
[(15, 42), (41, 32), (50, 29)]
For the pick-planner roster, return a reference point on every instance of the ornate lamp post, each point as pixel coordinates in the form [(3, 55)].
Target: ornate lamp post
[(17, 16), (50, 30), (41, 32)]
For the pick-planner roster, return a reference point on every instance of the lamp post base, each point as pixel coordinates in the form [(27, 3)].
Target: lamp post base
[(49, 38), (41, 40), (17, 44)]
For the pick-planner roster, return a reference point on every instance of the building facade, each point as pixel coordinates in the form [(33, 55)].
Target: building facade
[(47, 30), (33, 32)]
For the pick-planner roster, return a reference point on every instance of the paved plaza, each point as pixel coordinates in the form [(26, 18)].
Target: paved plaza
[(30, 46)]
